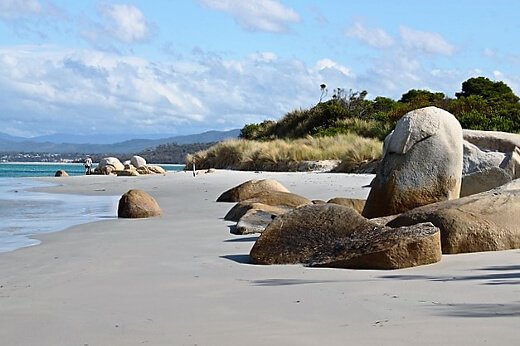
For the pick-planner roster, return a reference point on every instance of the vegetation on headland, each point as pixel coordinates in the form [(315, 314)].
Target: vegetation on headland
[(349, 119)]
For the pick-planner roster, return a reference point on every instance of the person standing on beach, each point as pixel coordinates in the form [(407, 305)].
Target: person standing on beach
[(88, 166)]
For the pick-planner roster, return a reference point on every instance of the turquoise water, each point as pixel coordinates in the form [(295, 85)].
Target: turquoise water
[(24, 213), (11, 170)]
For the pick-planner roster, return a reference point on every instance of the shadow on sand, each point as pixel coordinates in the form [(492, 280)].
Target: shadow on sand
[(479, 310), (504, 275), (241, 240), (290, 282), (240, 258)]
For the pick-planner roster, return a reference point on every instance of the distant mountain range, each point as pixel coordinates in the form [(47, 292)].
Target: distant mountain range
[(103, 143)]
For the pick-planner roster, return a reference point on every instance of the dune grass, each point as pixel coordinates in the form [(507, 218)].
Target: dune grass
[(281, 154)]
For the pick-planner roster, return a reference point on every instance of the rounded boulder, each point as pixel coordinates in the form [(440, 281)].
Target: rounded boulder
[(249, 189), (137, 204), (137, 161), (61, 173)]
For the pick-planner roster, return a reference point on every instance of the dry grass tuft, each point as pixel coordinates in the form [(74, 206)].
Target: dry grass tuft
[(281, 155)]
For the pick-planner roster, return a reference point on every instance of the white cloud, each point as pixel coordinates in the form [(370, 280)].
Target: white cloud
[(18, 8), (126, 23), (257, 15), (43, 86), (374, 37), (48, 89), (119, 23), (426, 42), (329, 64)]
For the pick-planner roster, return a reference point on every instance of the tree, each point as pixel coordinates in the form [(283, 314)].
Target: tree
[(487, 89), (415, 95)]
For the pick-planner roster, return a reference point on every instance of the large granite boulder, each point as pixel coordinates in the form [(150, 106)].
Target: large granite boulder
[(137, 204), (493, 140), (354, 203), (332, 235), (109, 165), (422, 163), (137, 161), (488, 221), (249, 189)]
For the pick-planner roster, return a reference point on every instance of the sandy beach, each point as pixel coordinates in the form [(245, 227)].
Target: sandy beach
[(183, 279)]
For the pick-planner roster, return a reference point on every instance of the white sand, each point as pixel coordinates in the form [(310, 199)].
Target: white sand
[(180, 279)]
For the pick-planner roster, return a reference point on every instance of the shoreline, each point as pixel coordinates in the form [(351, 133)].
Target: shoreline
[(27, 213), (182, 278)]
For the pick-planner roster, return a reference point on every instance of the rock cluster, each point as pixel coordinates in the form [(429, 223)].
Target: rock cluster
[(332, 235), (414, 206), (259, 201), (134, 167), (488, 221)]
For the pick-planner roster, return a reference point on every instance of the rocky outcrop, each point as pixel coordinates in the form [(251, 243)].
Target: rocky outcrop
[(137, 204), (61, 173), (422, 163), (488, 221), (332, 235), (354, 203), (249, 189)]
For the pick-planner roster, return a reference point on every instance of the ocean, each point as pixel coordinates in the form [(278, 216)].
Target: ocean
[(25, 213), (17, 169)]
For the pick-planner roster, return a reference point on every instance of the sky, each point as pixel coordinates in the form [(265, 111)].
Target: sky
[(161, 67)]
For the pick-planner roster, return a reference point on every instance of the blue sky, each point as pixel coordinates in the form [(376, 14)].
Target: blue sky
[(179, 67)]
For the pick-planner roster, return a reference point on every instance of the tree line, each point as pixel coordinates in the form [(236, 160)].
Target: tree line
[(482, 104)]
